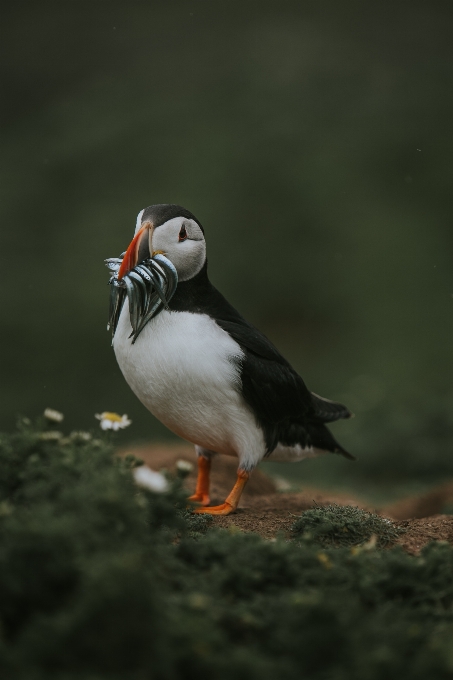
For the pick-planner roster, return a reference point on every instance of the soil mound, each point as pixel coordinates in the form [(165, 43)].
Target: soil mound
[(269, 512), (434, 502)]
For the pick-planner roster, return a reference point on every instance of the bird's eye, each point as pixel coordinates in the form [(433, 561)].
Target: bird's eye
[(182, 233)]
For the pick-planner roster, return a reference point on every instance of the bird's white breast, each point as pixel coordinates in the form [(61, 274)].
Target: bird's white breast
[(186, 370)]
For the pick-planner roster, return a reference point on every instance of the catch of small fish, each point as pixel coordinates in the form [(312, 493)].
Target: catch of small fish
[(149, 287)]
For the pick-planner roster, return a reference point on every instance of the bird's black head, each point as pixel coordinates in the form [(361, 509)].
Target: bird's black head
[(172, 231)]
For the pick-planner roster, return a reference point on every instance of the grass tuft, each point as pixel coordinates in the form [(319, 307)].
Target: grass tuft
[(343, 525)]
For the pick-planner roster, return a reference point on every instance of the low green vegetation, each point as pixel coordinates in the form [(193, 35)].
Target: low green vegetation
[(103, 580), (336, 525)]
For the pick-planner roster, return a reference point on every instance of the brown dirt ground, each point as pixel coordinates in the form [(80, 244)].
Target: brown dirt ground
[(269, 512)]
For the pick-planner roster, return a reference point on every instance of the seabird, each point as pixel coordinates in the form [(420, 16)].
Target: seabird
[(200, 368)]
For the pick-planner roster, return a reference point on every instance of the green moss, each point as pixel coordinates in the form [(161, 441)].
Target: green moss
[(100, 580), (335, 525), (196, 525)]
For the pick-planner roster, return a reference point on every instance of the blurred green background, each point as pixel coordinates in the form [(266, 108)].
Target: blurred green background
[(312, 140)]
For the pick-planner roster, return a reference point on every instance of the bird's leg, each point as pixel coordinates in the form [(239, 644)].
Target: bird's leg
[(232, 501), (201, 494)]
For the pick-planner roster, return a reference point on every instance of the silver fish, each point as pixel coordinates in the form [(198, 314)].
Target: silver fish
[(149, 288)]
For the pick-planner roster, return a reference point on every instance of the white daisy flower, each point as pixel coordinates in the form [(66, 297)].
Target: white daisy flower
[(53, 416), (184, 466), (148, 479), (113, 421)]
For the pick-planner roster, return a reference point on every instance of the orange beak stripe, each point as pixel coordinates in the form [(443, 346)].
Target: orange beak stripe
[(131, 256)]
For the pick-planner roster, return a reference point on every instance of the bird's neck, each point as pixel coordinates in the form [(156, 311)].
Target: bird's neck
[(189, 295)]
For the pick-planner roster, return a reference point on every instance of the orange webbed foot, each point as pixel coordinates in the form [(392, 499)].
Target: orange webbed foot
[(232, 501), (224, 509), (202, 498)]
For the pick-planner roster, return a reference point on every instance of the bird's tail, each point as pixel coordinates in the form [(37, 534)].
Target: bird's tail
[(327, 411), (320, 437)]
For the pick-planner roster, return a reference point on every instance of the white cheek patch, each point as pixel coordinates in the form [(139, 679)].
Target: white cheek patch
[(189, 255), (190, 259), (193, 230)]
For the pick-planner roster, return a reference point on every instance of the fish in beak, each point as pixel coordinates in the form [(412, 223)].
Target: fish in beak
[(148, 280)]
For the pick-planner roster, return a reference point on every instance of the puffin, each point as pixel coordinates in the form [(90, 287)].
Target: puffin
[(198, 366)]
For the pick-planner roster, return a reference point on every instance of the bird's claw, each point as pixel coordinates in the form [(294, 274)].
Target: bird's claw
[(224, 509)]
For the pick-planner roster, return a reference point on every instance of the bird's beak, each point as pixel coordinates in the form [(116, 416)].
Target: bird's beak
[(139, 245)]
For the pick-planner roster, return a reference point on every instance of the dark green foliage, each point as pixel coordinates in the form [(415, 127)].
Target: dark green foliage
[(102, 581), (195, 524), (344, 525)]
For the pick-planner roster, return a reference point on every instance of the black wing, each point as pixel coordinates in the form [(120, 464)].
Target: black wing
[(281, 402), (284, 407)]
